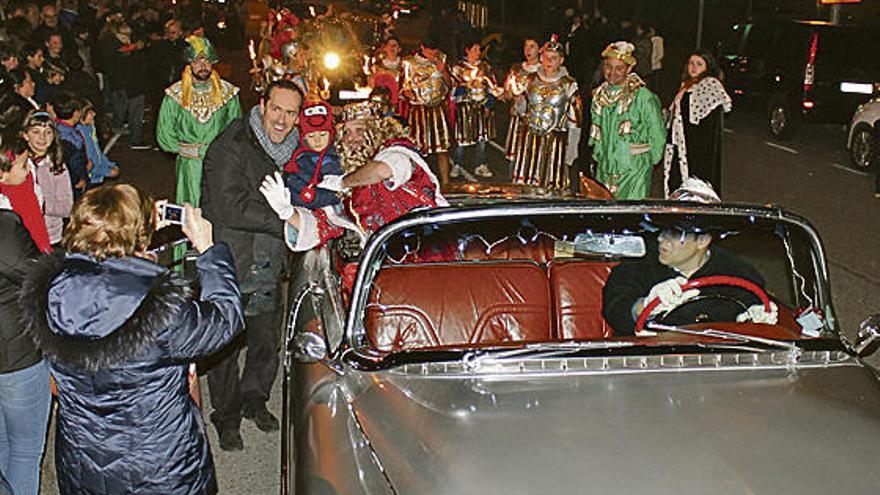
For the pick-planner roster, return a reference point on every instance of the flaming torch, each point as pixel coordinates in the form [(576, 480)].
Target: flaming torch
[(325, 92)]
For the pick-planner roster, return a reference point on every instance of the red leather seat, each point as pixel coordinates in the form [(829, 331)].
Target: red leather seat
[(541, 250), (421, 306), (577, 298)]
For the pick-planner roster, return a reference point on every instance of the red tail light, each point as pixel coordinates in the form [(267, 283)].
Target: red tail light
[(810, 70)]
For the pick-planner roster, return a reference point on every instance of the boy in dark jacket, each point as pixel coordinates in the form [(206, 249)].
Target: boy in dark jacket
[(314, 159)]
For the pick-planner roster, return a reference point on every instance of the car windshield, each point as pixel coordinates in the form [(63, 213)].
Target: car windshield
[(509, 278)]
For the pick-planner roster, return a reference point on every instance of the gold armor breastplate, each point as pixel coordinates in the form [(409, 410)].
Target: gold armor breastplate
[(548, 104), (476, 80), (425, 81)]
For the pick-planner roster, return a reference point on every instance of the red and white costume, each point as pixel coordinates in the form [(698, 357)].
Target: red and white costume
[(411, 185)]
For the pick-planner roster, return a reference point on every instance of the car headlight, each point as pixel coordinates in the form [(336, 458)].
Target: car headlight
[(331, 60)]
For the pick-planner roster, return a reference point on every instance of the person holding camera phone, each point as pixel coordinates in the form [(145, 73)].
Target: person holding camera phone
[(118, 332)]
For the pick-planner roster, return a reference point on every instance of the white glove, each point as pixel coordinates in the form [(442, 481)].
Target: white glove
[(331, 183), (277, 195), (670, 294), (758, 314)]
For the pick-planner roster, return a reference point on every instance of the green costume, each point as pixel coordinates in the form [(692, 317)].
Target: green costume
[(187, 132), (191, 116), (628, 137)]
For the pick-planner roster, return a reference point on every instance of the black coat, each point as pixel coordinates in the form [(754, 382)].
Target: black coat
[(17, 251), (703, 141), (633, 279), (118, 335), (234, 167)]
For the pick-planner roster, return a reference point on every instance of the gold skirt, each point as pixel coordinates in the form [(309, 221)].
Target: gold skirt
[(540, 160), (429, 128), (514, 136), (473, 123)]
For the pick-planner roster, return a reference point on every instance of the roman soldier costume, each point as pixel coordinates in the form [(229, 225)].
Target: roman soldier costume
[(474, 95), (428, 109), (514, 86), (553, 112)]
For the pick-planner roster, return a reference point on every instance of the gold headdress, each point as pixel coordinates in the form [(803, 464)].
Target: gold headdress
[(362, 110), (622, 51), (186, 96)]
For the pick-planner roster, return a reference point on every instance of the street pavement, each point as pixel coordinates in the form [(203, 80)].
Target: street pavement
[(809, 176)]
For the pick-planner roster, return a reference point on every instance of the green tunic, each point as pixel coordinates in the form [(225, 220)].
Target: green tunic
[(187, 132), (198, 125), (628, 137)]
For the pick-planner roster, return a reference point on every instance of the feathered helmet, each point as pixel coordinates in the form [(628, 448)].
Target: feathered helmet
[(622, 51), (200, 47), (553, 45)]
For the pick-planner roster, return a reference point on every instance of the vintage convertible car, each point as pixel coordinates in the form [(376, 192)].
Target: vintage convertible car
[(469, 355)]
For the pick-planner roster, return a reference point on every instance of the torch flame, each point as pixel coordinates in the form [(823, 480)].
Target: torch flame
[(325, 92)]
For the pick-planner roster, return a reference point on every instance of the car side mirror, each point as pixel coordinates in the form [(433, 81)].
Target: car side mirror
[(868, 338), (309, 347)]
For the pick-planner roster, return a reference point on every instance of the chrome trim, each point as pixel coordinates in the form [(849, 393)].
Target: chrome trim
[(668, 363)]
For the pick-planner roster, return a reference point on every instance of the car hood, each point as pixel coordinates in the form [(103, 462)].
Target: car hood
[(737, 431)]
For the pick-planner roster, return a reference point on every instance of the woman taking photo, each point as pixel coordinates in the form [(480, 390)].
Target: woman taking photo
[(695, 125), (118, 332), (24, 376), (40, 137)]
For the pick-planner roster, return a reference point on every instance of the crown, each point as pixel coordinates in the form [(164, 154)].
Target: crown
[(362, 110)]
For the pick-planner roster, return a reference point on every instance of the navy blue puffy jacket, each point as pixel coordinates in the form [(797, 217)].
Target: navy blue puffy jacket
[(118, 335)]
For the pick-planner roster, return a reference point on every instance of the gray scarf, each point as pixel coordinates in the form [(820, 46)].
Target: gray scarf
[(280, 152)]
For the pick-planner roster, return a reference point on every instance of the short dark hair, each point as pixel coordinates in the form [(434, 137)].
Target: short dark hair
[(7, 51), (55, 66), (66, 104), (31, 49), (282, 84), (53, 32)]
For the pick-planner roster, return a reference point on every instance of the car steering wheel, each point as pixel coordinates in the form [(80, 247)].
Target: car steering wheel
[(706, 282)]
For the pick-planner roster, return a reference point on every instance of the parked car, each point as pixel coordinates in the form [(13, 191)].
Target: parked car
[(862, 139), (491, 369), (800, 70)]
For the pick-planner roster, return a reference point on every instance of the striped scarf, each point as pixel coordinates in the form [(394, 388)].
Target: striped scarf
[(280, 152)]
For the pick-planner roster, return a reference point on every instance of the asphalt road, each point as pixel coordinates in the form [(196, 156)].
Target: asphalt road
[(809, 176)]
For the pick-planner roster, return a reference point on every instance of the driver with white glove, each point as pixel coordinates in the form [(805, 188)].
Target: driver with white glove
[(670, 295), (685, 250), (757, 314)]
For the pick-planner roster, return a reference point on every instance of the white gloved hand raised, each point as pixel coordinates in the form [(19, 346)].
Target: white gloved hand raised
[(277, 195), (758, 314), (670, 294), (331, 183)]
